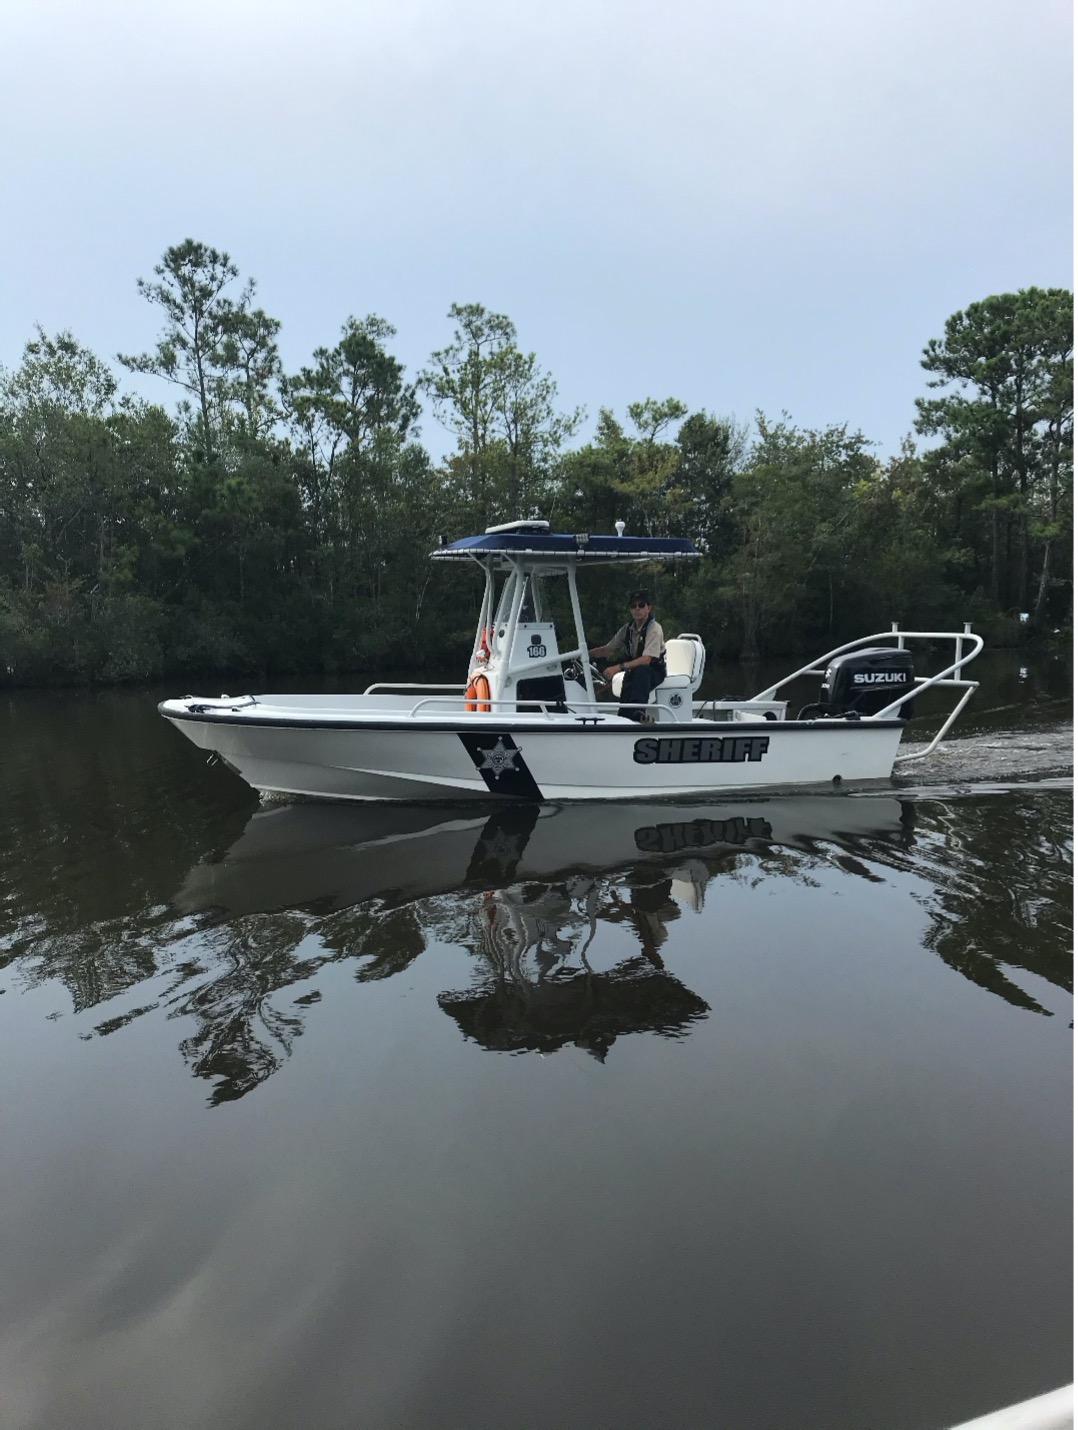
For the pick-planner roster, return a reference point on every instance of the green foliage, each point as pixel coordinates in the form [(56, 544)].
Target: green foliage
[(791, 506), (1006, 417), (222, 351), (500, 404), (279, 522)]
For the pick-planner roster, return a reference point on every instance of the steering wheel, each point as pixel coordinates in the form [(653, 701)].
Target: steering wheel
[(574, 670)]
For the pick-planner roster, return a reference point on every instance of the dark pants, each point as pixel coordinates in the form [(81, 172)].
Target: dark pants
[(637, 686)]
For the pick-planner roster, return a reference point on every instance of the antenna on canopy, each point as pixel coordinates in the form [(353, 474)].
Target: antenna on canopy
[(619, 527)]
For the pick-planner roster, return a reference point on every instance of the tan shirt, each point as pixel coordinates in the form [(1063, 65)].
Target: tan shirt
[(625, 645)]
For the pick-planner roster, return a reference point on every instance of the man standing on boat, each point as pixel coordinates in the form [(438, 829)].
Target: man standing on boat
[(639, 651)]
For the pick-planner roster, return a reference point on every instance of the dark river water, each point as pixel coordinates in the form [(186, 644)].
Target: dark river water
[(753, 1113)]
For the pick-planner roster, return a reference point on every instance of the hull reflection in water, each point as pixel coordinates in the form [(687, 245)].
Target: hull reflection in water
[(532, 884), (336, 855)]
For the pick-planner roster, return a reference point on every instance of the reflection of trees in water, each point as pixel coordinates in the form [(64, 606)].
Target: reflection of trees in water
[(995, 891), (1000, 892), (114, 815), (94, 964), (992, 876), (243, 1035), (389, 943)]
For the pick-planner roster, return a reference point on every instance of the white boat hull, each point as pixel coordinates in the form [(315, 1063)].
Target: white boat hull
[(333, 750)]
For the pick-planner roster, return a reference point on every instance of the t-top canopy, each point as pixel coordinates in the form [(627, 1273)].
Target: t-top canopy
[(557, 546)]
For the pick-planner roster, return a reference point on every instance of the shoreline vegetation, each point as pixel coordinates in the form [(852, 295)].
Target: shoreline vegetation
[(272, 523)]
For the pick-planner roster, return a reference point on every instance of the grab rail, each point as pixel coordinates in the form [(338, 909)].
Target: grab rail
[(455, 706), (409, 685), (518, 706)]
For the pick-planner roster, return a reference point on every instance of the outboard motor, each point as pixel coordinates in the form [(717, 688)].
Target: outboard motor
[(863, 682)]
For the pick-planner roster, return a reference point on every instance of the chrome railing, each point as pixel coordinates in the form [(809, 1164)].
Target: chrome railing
[(947, 678), (409, 685), (515, 707)]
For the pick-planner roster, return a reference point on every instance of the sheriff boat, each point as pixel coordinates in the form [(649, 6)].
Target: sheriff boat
[(528, 724)]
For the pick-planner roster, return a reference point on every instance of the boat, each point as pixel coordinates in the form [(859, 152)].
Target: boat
[(527, 722)]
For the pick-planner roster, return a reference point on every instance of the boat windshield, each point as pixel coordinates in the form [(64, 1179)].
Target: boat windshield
[(553, 589), (531, 608)]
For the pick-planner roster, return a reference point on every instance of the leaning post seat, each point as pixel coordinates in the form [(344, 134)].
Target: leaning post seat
[(685, 658)]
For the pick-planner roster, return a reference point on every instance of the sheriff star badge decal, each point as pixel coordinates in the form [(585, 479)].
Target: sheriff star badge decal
[(499, 760)]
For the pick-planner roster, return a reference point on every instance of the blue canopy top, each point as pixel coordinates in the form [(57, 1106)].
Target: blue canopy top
[(556, 546)]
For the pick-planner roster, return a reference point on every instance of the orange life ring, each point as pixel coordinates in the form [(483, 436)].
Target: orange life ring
[(477, 696)]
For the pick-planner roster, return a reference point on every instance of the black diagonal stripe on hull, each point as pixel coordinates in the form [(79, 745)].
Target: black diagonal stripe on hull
[(500, 761), (499, 847)]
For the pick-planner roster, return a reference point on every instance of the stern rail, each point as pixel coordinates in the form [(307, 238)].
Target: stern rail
[(947, 678)]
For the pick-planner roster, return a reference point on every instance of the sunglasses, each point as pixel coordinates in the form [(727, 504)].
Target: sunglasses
[(638, 605)]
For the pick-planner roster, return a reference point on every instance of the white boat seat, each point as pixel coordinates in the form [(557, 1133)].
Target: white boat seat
[(685, 657), (684, 667)]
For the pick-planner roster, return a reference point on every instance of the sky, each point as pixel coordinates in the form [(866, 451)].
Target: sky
[(746, 204)]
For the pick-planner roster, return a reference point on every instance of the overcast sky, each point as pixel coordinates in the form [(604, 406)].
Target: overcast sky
[(745, 203)]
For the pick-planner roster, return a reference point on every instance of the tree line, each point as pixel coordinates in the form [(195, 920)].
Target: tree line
[(272, 523)]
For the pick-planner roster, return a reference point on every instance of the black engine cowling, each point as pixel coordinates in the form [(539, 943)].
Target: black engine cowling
[(863, 682)]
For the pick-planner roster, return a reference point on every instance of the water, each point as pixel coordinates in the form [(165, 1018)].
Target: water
[(753, 1113)]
